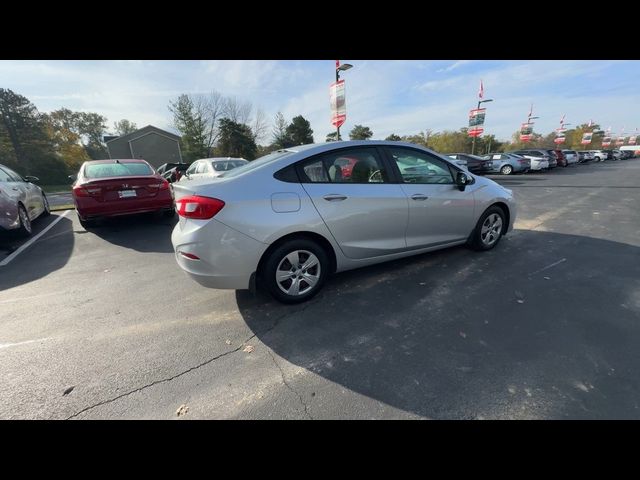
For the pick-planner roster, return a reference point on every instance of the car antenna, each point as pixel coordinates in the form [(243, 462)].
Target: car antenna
[(117, 161)]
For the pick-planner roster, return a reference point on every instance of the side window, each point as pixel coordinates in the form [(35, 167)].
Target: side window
[(13, 176), (358, 165), (192, 168), (202, 167), (420, 167)]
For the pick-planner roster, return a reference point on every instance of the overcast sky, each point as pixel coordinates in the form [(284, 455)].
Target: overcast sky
[(402, 97)]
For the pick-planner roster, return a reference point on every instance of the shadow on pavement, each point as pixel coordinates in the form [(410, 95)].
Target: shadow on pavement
[(143, 233), (48, 254), (544, 326)]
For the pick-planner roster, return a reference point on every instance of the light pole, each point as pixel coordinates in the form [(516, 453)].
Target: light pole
[(473, 144), (339, 68)]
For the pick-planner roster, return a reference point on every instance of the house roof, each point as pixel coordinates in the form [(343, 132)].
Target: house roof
[(144, 131)]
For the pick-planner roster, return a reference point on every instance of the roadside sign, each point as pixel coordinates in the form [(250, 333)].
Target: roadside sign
[(476, 117), (338, 103)]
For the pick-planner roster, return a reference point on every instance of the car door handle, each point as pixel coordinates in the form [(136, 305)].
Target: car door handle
[(334, 197), (419, 196)]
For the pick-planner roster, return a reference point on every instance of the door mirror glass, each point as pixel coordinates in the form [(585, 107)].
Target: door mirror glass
[(31, 178), (462, 180)]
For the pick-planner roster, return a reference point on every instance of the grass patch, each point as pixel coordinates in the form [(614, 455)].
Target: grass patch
[(55, 188), (69, 206)]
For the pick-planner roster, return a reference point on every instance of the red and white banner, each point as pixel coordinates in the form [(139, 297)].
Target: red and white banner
[(586, 138), (481, 91), (606, 141), (620, 141), (476, 117), (338, 103), (632, 140), (559, 140), (476, 131)]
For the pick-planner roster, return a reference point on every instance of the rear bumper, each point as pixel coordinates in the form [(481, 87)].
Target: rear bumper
[(226, 258), (88, 207)]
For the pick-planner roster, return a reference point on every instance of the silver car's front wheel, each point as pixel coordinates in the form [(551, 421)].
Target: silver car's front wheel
[(25, 223), (491, 229), (295, 270)]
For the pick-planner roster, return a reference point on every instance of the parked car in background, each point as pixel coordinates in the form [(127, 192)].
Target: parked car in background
[(172, 172), (474, 163), (599, 155), (571, 156), (21, 201), (108, 188), (537, 163), (284, 220), (212, 167), (538, 155), (585, 156), (506, 163), (609, 154), (559, 156)]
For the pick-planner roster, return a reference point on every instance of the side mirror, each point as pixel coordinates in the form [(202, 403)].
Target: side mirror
[(31, 178), (462, 180), (72, 177)]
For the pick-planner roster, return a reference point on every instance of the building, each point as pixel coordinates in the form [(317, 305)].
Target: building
[(150, 143)]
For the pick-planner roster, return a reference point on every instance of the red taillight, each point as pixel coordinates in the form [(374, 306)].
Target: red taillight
[(189, 255), (164, 185), (87, 191), (198, 207)]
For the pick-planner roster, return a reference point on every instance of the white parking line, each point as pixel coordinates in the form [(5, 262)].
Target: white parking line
[(5, 345), (7, 260)]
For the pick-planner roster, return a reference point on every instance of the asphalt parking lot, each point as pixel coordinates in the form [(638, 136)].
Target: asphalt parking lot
[(104, 325)]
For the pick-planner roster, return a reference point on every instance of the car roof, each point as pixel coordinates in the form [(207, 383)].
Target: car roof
[(114, 160)]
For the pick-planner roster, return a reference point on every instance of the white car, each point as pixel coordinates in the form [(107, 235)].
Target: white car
[(212, 167), (598, 155), (571, 156), (537, 163)]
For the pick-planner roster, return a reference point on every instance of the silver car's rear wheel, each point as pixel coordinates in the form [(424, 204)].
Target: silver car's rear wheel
[(295, 270), (298, 272)]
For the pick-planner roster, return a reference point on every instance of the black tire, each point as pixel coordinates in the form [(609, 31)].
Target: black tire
[(47, 209), (476, 239), (24, 230), (506, 170), (87, 224), (278, 258)]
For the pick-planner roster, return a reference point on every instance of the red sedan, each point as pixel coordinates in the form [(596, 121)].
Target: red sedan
[(109, 188)]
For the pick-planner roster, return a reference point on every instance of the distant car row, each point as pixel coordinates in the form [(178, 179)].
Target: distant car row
[(522, 161)]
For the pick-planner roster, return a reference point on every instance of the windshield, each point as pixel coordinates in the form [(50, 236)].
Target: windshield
[(223, 166), (104, 170), (272, 157)]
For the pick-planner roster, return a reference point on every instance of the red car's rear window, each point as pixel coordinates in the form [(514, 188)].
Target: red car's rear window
[(104, 170)]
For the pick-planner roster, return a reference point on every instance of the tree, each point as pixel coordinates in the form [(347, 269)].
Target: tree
[(332, 137), (360, 133), (91, 127), (259, 126), (190, 122), (25, 143), (393, 138), (124, 127), (236, 140), (237, 111), (22, 128), (299, 131), (281, 138)]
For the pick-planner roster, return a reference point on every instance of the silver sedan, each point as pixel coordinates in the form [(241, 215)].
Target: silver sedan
[(295, 216), (20, 201)]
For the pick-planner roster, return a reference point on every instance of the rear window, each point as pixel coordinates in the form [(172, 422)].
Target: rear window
[(247, 167), (227, 165), (104, 170)]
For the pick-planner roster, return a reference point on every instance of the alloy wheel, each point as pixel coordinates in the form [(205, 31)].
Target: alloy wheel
[(491, 228), (298, 272)]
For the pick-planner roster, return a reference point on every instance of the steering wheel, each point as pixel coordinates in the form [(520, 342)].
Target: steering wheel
[(376, 177)]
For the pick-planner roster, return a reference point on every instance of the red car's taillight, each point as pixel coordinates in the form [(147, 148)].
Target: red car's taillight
[(87, 191), (198, 207)]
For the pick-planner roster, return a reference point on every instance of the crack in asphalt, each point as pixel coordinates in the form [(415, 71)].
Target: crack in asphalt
[(206, 362), (293, 390)]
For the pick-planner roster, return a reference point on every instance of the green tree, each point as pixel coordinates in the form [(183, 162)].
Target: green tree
[(124, 127), (394, 138), (360, 132), (91, 127), (192, 126), (280, 135), (25, 143), (299, 131), (236, 140), (332, 137)]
